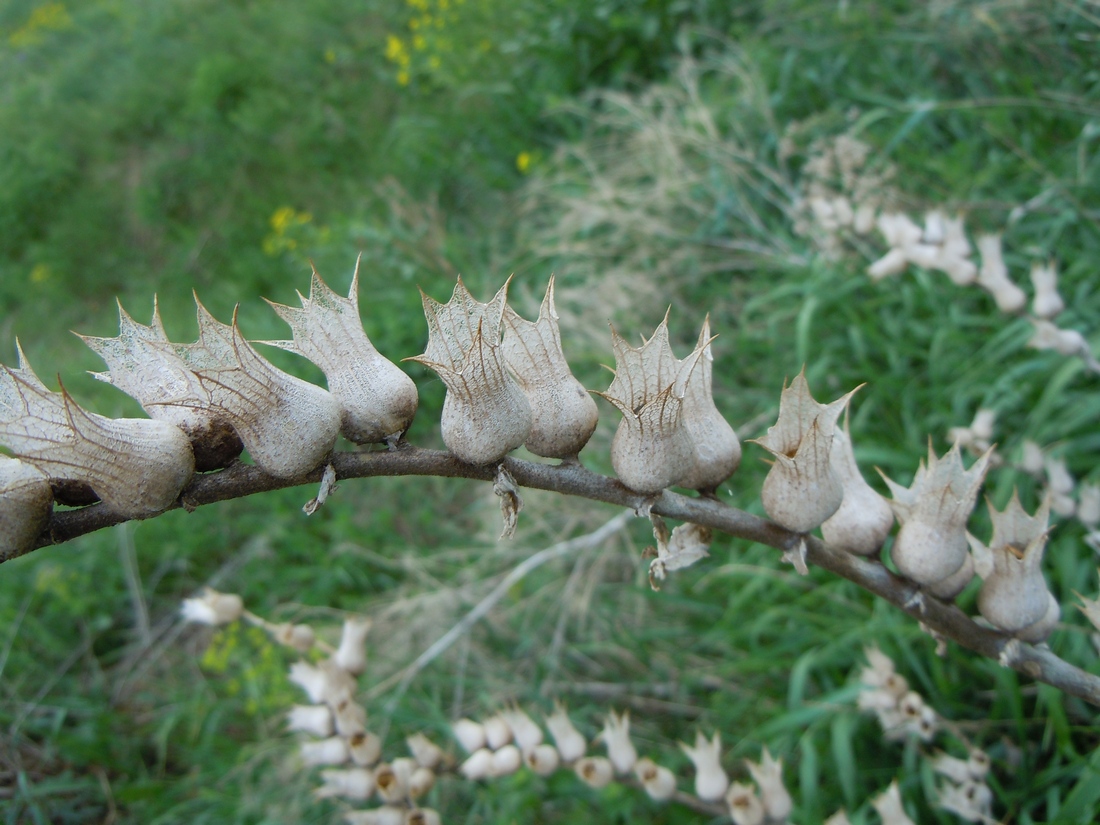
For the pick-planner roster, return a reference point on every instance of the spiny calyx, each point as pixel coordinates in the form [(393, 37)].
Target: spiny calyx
[(651, 449), (931, 547), (137, 466), (1014, 596), (377, 400), (563, 413), (802, 489), (142, 362), (485, 413)]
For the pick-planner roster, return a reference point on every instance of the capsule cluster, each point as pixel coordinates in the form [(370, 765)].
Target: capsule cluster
[(207, 401), (904, 715), (508, 384), (671, 433), (510, 740), (336, 736)]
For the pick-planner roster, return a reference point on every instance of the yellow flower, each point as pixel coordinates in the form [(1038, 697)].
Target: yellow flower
[(403, 78), (523, 161), (395, 47), (40, 274), (330, 55), (281, 218), (50, 17)]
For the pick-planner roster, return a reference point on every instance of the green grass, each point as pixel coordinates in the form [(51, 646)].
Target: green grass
[(146, 149)]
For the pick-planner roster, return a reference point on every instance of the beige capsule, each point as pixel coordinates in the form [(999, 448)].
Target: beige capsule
[(26, 502), (863, 520), (931, 545), (802, 489), (377, 400), (711, 781), (485, 413), (717, 451), (143, 364), (659, 782), (571, 742), (288, 425), (137, 466), (768, 775), (563, 413), (651, 449), (594, 771), (1014, 596), (542, 759)]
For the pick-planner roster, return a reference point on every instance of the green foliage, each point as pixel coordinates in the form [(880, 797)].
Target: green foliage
[(222, 146)]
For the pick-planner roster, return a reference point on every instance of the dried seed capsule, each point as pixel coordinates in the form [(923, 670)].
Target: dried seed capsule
[(659, 782), (25, 506), (137, 466), (288, 425), (651, 449), (377, 400), (1015, 596), (768, 774), (616, 738), (717, 452), (142, 363), (485, 414), (563, 413), (570, 741), (931, 545), (711, 781), (802, 489), (863, 520)]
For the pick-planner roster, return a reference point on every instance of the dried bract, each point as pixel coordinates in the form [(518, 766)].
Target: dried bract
[(563, 413), (144, 364), (26, 502), (377, 400), (717, 452), (485, 413), (802, 489), (651, 449), (137, 466), (1014, 597)]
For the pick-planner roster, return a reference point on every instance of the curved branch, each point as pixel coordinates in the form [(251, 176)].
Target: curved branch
[(573, 479)]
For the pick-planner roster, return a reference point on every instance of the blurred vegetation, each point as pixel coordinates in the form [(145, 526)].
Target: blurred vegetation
[(187, 144)]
